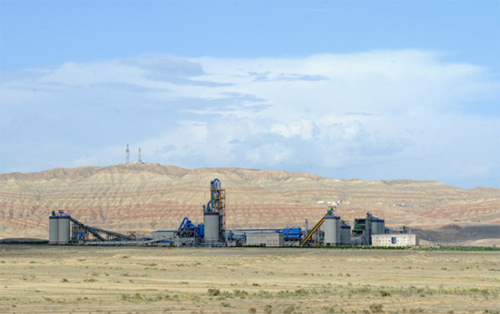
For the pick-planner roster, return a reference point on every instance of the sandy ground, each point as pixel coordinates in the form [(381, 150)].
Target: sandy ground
[(43, 279)]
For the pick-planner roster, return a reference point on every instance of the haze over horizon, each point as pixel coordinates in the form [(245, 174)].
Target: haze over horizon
[(376, 90)]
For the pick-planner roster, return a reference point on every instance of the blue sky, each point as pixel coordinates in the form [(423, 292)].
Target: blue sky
[(343, 89)]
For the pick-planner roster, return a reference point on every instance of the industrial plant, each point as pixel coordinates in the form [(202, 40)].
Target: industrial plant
[(330, 230)]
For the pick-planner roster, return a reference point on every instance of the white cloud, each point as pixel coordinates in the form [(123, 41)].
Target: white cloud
[(330, 114), (302, 128)]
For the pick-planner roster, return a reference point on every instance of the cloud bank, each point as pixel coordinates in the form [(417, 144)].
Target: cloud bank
[(374, 115)]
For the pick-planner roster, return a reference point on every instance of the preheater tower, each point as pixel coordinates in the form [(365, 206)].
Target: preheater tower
[(214, 215)]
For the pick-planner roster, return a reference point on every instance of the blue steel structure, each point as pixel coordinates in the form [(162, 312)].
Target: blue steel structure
[(291, 234), (187, 228)]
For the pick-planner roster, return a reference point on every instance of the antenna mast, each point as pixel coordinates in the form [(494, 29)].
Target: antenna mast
[(139, 160), (127, 155)]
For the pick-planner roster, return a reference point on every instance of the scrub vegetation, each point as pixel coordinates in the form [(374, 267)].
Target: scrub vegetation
[(52, 279)]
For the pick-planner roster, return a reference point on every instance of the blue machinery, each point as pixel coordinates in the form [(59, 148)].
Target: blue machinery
[(291, 234), (188, 229)]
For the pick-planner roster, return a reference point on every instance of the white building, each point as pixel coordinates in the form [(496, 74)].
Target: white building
[(265, 239), (396, 239)]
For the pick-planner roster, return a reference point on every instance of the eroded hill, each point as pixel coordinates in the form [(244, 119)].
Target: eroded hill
[(147, 197)]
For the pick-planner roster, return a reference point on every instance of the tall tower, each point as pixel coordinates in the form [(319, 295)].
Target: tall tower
[(127, 155), (214, 214), (139, 160)]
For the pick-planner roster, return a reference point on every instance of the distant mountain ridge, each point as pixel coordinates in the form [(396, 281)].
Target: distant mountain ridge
[(147, 197)]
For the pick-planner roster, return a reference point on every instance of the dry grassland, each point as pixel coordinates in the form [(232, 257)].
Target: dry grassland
[(43, 279)]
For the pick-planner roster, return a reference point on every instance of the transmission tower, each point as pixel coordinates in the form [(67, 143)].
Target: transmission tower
[(127, 155)]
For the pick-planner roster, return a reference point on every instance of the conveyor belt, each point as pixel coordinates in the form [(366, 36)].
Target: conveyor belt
[(313, 230), (96, 231)]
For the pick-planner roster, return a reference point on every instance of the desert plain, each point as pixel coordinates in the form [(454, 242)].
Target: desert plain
[(81, 279)]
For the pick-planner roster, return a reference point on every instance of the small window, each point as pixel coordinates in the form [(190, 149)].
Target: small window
[(394, 240)]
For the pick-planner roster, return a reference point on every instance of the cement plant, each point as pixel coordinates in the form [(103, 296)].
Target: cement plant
[(329, 231)]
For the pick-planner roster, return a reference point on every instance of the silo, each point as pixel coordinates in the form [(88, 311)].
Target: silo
[(345, 235), (332, 230), (64, 232), (378, 226), (382, 226), (374, 226), (53, 229), (211, 220)]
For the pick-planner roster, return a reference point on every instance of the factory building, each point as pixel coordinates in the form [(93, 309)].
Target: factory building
[(330, 230), (396, 239), (265, 239), (364, 228)]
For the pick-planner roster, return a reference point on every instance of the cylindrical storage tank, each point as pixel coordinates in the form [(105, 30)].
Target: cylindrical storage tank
[(374, 224), (332, 230), (378, 226), (64, 232), (53, 229), (211, 220), (345, 235)]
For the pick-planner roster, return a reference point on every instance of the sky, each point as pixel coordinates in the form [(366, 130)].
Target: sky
[(377, 90)]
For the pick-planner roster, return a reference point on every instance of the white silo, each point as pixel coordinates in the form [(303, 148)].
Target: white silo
[(345, 235), (64, 230), (53, 229), (331, 226), (211, 221)]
